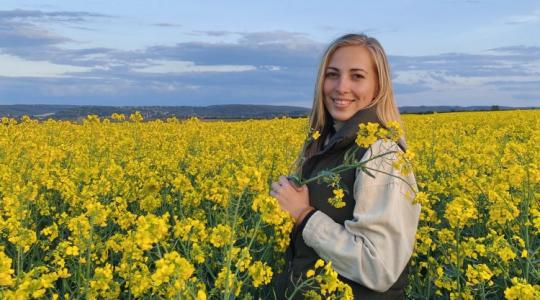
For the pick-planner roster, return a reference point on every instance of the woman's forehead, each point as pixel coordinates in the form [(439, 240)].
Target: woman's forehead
[(351, 58)]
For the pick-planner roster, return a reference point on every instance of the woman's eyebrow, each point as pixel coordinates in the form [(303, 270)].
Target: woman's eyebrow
[(358, 70), (351, 70)]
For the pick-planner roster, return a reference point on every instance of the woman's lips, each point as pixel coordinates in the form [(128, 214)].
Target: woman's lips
[(342, 103)]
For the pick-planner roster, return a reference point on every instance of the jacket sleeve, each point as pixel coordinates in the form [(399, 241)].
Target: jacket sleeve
[(374, 247)]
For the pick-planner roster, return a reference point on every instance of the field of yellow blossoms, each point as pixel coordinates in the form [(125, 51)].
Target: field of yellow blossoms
[(124, 208)]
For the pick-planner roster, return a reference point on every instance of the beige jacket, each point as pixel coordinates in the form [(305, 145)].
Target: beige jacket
[(374, 247)]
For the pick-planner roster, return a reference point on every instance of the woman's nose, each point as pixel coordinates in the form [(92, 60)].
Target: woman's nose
[(342, 85)]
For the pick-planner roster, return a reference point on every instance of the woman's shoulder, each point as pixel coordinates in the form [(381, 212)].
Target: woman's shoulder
[(384, 160), (384, 148)]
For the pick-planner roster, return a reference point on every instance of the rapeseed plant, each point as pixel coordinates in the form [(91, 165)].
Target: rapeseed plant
[(126, 208)]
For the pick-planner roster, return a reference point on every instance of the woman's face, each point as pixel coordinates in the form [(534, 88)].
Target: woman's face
[(350, 82)]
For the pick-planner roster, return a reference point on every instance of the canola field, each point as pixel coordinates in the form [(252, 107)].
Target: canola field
[(113, 208)]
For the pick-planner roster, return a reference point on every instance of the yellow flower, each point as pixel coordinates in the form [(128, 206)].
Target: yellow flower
[(395, 131), (337, 200), (172, 275), (243, 259), (197, 253), (92, 119), (150, 230), (221, 235), (315, 135), (312, 295), (102, 278), (477, 274), (506, 254), (460, 212), (226, 280), (328, 283), (522, 290), (136, 117), (201, 295), (190, 229), (367, 134), (51, 231), (260, 273), (118, 117), (6, 272), (72, 250)]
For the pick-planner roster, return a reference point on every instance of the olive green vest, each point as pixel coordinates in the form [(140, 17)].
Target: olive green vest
[(301, 257)]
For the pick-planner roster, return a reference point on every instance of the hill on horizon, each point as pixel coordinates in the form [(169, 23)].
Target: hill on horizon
[(228, 111)]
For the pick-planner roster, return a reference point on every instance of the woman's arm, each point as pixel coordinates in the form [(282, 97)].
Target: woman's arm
[(374, 247)]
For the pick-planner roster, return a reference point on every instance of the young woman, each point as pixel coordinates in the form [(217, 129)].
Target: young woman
[(371, 239)]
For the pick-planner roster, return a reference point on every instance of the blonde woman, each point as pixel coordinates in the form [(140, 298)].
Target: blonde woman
[(371, 239)]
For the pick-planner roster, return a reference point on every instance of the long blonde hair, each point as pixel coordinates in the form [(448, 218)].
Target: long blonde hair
[(387, 110)]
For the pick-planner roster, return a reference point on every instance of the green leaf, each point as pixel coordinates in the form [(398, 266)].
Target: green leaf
[(296, 179), (367, 172)]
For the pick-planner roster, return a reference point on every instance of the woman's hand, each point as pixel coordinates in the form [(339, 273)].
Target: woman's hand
[(291, 198)]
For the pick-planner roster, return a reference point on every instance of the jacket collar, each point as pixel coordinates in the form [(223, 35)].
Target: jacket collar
[(348, 132)]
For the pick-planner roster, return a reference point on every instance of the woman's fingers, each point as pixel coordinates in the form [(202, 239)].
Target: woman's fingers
[(297, 188), (290, 197), (275, 186), (285, 190), (284, 181)]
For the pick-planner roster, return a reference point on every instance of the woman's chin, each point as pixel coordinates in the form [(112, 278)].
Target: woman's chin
[(342, 116)]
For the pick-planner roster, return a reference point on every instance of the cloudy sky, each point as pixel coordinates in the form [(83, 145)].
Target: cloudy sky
[(172, 52)]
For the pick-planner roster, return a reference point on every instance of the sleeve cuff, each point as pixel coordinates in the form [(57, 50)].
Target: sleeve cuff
[(314, 229)]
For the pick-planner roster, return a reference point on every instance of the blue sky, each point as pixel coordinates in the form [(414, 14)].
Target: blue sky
[(445, 52)]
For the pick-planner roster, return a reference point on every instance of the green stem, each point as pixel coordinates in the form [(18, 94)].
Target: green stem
[(19, 262), (483, 291), (342, 168), (130, 266), (392, 175), (428, 277), (88, 257), (251, 241), (230, 246), (528, 196), (299, 287), (458, 263)]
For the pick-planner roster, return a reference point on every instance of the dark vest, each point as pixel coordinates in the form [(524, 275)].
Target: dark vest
[(301, 257)]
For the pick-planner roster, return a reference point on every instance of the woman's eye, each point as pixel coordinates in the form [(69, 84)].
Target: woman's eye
[(357, 76), (331, 75)]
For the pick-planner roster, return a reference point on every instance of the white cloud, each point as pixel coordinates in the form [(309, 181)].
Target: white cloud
[(479, 81), (13, 66), (77, 90), (416, 76), (290, 40), (524, 19), (174, 66), (442, 82), (532, 67), (271, 68), (172, 87)]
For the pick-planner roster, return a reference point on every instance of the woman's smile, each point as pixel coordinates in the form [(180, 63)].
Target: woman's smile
[(342, 103)]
